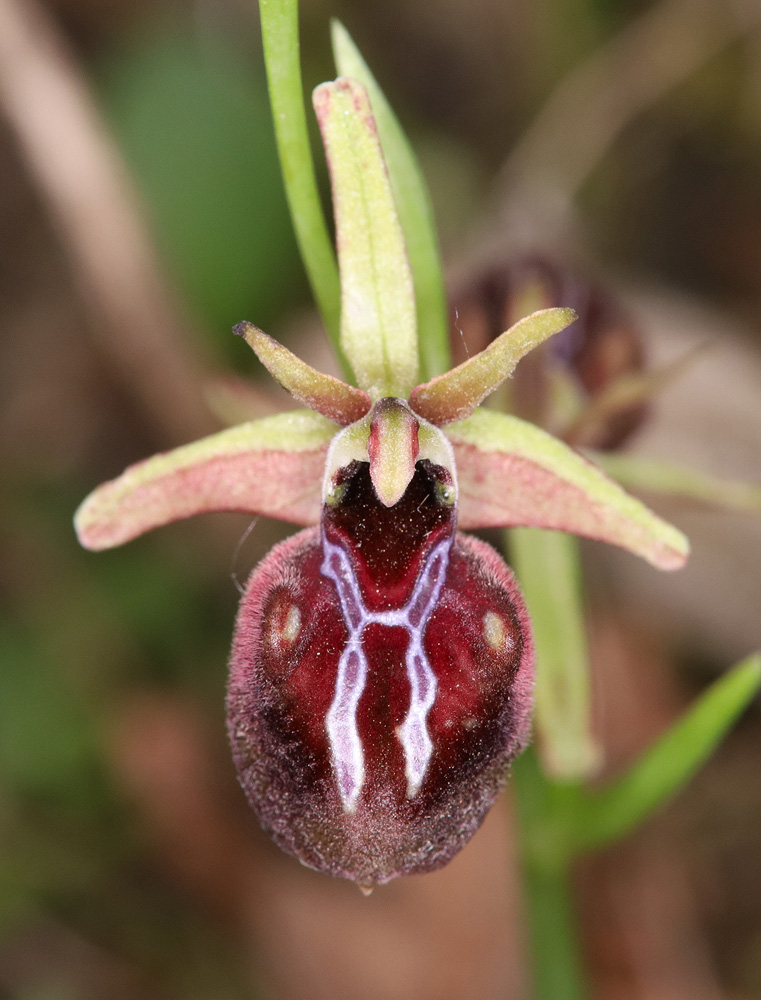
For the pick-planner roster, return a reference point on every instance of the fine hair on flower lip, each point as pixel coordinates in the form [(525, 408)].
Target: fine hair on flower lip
[(236, 555)]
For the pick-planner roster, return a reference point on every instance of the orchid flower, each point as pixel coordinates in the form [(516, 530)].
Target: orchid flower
[(382, 666)]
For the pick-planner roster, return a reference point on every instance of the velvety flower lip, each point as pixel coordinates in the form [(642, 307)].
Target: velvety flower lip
[(479, 720)]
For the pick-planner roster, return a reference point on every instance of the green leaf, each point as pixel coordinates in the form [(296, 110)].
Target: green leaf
[(610, 813), (329, 396), (547, 566), (456, 394), (272, 466), (280, 37), (654, 476), (512, 474), (415, 211), (378, 332)]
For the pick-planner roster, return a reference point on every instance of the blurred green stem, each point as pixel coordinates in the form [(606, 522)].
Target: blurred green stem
[(555, 956), (545, 870), (603, 815), (547, 565), (280, 36), (637, 472), (559, 817)]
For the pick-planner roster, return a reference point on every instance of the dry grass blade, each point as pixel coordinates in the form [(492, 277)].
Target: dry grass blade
[(138, 326), (654, 52)]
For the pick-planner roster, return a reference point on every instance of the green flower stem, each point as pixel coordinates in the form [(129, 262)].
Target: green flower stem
[(280, 36), (555, 960), (558, 817), (547, 565)]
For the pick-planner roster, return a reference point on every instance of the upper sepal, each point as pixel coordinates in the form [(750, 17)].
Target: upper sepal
[(511, 473), (272, 466), (378, 327)]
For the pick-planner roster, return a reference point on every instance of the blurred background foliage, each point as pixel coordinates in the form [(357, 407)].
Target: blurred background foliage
[(192, 116), (129, 866)]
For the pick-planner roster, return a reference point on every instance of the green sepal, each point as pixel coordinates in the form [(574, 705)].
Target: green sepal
[(378, 327), (413, 204), (512, 474), (272, 466)]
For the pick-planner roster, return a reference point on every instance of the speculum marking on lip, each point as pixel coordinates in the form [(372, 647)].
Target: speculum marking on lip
[(292, 625), (282, 624), (341, 722), (495, 631)]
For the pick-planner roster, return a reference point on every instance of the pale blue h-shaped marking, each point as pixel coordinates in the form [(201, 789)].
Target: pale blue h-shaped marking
[(341, 721)]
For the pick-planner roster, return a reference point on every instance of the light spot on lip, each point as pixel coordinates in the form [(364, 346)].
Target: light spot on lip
[(495, 632), (292, 625), (283, 627)]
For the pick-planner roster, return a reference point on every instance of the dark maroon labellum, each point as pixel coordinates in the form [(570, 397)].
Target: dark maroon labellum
[(380, 682)]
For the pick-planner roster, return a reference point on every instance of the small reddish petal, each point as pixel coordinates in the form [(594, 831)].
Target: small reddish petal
[(455, 394), (327, 395)]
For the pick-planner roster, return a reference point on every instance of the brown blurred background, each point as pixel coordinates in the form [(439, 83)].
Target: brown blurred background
[(141, 216)]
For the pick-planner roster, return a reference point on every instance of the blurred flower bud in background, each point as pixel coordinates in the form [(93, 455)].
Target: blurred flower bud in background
[(561, 384)]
